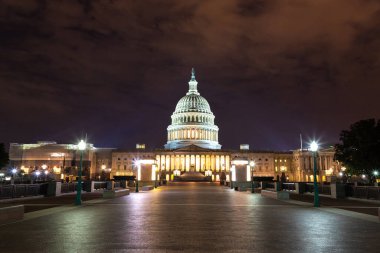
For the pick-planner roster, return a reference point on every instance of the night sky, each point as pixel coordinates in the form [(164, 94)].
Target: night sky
[(114, 70)]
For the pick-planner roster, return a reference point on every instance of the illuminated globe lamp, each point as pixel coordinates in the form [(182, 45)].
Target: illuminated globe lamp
[(81, 147), (314, 149)]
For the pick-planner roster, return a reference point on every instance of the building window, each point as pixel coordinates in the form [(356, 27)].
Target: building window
[(125, 167), (118, 167), (118, 158)]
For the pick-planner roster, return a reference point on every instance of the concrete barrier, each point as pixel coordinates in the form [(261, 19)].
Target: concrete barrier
[(11, 214), (147, 188), (110, 194), (275, 194)]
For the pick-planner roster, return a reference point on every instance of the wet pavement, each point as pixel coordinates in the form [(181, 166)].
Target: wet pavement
[(371, 208), (190, 217), (36, 204)]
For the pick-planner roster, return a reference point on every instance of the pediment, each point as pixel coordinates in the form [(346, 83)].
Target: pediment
[(193, 148)]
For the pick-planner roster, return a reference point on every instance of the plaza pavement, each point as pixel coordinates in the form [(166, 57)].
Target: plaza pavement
[(191, 217)]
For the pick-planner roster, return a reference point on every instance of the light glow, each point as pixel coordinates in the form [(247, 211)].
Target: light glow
[(252, 163), (14, 171), (376, 173), (248, 173), (139, 172), (82, 145), (44, 166), (57, 154), (46, 172), (38, 172), (239, 162), (153, 172), (57, 170), (233, 172), (145, 161), (313, 146)]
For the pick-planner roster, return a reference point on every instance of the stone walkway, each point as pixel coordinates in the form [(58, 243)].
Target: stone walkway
[(190, 217)]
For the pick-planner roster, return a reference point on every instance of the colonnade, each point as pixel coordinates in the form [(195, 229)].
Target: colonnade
[(192, 134), (200, 163)]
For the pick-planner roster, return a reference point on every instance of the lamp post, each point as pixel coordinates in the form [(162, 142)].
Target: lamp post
[(14, 171), (37, 174), (137, 175), (314, 149), (155, 175), (46, 172), (81, 147), (252, 164)]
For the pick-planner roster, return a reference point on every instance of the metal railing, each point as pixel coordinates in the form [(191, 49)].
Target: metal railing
[(363, 192), (68, 187), (288, 186), (100, 185), (323, 188), (21, 190)]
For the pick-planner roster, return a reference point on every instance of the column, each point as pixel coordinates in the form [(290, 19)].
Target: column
[(187, 162), (158, 161), (202, 162), (183, 163), (172, 163), (207, 162), (167, 163), (197, 162), (192, 160)]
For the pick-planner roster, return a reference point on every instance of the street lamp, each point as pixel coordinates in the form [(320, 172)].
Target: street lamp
[(155, 168), (252, 164), (14, 171), (138, 174), (37, 174), (81, 147), (314, 149), (46, 172)]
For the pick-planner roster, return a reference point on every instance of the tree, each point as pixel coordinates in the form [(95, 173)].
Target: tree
[(4, 157), (359, 150)]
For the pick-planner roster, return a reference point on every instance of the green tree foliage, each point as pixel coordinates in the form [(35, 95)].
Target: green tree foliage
[(359, 150), (4, 157)]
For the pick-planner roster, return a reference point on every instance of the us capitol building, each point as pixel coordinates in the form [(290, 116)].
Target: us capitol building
[(192, 152)]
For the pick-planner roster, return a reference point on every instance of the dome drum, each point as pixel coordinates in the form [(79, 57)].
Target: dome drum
[(193, 121)]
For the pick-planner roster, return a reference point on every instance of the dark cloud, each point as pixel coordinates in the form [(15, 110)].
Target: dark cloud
[(115, 69)]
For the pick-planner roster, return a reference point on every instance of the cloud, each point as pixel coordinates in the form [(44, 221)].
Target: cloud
[(128, 62)]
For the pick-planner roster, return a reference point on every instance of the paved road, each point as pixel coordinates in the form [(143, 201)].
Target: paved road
[(190, 217)]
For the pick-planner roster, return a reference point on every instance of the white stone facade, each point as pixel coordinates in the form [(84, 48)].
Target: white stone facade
[(193, 121)]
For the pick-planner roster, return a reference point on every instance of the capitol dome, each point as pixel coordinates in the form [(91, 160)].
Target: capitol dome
[(193, 121)]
